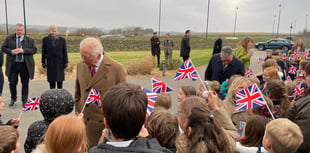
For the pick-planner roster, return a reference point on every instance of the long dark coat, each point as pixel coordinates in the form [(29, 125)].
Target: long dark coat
[(217, 46), (55, 56), (185, 47), (29, 48), (155, 42)]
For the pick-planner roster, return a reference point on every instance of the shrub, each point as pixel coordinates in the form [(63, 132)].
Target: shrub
[(144, 66), (175, 64)]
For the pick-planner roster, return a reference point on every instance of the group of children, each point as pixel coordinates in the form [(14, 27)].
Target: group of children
[(206, 120)]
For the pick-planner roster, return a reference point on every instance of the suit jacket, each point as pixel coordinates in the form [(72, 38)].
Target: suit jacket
[(108, 74), (155, 42), (29, 49), (217, 46), (185, 47), (55, 57), (215, 68)]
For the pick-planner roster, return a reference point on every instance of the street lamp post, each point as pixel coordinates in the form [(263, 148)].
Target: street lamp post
[(24, 16), (306, 22), (6, 18), (236, 13), (274, 22), (207, 19), (279, 20), (159, 18), (291, 27)]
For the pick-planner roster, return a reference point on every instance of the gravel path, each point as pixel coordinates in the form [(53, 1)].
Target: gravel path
[(37, 87)]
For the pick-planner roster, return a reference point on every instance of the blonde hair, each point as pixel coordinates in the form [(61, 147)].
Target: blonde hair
[(244, 42), (269, 63), (163, 100), (233, 88), (8, 139), (284, 135), (212, 85), (188, 91), (66, 134), (53, 27)]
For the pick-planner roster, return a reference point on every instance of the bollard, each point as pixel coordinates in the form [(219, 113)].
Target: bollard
[(164, 67)]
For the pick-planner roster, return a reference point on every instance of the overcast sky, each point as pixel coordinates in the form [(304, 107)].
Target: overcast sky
[(177, 15)]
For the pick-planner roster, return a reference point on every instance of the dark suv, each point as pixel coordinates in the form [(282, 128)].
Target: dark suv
[(283, 44)]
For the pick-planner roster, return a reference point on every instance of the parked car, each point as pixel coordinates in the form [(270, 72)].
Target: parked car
[(283, 44)]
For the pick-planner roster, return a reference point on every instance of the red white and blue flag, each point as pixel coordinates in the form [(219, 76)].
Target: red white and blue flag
[(159, 86), (151, 96), (186, 70), (298, 90), (32, 104), (292, 70), (94, 97), (296, 54), (248, 73), (260, 60), (288, 78), (248, 98), (305, 54)]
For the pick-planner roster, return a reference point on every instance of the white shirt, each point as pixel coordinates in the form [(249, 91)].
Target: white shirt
[(242, 149), (120, 144), (99, 62)]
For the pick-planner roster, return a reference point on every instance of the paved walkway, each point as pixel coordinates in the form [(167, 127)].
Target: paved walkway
[(37, 87)]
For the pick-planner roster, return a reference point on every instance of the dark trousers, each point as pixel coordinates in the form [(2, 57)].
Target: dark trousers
[(1, 81), (19, 69), (185, 58), (53, 84), (158, 59)]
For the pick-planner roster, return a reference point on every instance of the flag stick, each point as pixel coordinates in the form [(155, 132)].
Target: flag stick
[(266, 104), (20, 114), (203, 84), (85, 103)]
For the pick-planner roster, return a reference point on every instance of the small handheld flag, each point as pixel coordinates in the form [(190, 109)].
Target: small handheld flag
[(159, 86), (249, 98), (305, 54), (292, 70), (151, 100), (298, 90), (94, 97), (288, 78), (186, 70), (248, 73), (296, 54), (32, 104)]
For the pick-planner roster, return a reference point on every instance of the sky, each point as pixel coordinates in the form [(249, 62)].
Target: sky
[(176, 15)]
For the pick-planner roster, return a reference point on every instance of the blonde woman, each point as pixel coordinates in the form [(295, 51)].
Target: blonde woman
[(66, 134), (243, 53)]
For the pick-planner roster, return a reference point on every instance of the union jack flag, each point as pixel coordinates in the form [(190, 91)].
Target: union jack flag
[(298, 90), (260, 60), (296, 54), (292, 70), (159, 86), (305, 54), (248, 73), (186, 70), (94, 97), (151, 96), (249, 98), (32, 104), (288, 78)]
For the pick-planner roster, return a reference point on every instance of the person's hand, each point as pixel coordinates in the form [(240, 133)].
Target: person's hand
[(143, 132), (212, 100), (250, 52), (80, 116), (15, 122), (20, 50), (43, 65), (15, 51)]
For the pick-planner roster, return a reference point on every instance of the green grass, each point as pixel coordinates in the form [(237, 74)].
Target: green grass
[(198, 56)]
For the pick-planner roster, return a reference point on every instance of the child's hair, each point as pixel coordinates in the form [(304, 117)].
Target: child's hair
[(231, 79), (8, 139), (269, 63), (164, 100), (303, 64), (284, 135), (277, 91), (124, 108), (164, 126), (263, 111), (187, 105), (272, 72), (244, 42), (205, 133), (254, 80), (254, 131), (234, 87), (188, 91), (290, 86), (214, 86), (66, 134)]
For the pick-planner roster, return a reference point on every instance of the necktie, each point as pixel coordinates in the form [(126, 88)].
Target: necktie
[(19, 45), (93, 70)]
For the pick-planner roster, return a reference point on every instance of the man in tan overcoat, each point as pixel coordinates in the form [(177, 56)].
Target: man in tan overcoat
[(98, 71)]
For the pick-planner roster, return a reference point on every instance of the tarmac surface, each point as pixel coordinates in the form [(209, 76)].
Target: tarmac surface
[(37, 87)]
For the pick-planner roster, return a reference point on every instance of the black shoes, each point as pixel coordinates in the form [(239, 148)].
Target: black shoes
[(24, 103), (12, 102)]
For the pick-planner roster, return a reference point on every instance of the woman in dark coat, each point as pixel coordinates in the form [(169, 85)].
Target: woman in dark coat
[(54, 57)]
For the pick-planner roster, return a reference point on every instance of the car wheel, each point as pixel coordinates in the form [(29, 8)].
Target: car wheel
[(261, 47), (285, 48)]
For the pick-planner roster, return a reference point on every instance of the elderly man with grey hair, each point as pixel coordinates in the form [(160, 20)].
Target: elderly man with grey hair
[(223, 65)]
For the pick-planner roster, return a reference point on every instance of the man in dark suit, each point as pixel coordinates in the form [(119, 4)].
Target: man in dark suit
[(19, 61), (54, 57), (223, 65), (185, 46), (217, 45), (155, 43)]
